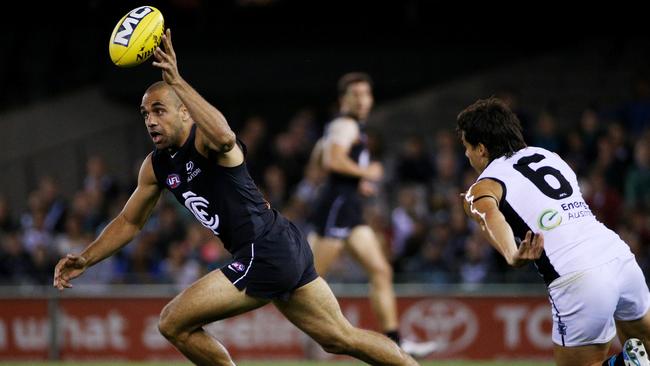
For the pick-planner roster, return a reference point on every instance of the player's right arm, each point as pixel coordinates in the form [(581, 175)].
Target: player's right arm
[(481, 203), (214, 132), (341, 134), (117, 233)]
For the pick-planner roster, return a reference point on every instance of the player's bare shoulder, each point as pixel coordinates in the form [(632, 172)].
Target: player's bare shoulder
[(483, 189), (486, 187), (146, 175)]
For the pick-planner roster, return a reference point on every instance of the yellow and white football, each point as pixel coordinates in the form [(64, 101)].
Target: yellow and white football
[(136, 36)]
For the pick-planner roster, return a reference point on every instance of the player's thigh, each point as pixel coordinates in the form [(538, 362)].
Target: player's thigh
[(326, 251), (314, 309), (632, 315), (639, 328), (366, 249), (581, 355), (213, 297)]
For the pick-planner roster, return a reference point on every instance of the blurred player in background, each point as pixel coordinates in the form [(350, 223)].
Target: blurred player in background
[(199, 160), (594, 283), (337, 217)]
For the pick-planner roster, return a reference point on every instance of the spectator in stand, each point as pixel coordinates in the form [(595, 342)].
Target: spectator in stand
[(404, 216), (635, 113), (605, 201), (511, 98), (609, 164), (54, 204), (414, 163), (36, 234), (590, 131), (274, 186), (475, 265), (304, 196), (15, 262), (546, 133), (575, 154), (170, 227), (254, 134), (637, 182), (178, 267), (98, 179), (8, 224), (73, 239)]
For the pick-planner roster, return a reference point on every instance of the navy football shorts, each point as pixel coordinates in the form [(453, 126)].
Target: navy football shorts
[(274, 266)]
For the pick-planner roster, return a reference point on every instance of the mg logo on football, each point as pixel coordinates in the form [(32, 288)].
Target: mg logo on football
[(450, 323), (125, 32)]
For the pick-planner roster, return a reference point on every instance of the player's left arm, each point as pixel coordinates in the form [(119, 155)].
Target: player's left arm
[(481, 203), (213, 133)]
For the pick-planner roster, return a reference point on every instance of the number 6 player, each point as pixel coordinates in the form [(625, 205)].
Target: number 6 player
[(594, 283), (199, 160)]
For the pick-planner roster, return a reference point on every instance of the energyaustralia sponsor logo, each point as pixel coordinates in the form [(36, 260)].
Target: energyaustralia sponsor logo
[(576, 209), (549, 219)]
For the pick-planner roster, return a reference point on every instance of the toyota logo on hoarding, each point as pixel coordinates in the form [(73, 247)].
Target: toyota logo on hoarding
[(450, 323)]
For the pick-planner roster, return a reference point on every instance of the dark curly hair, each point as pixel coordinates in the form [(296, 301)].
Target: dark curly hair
[(490, 122)]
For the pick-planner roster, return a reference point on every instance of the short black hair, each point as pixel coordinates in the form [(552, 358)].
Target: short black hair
[(490, 122), (351, 78)]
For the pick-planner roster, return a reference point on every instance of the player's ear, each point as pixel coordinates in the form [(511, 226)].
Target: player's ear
[(185, 114), (482, 150)]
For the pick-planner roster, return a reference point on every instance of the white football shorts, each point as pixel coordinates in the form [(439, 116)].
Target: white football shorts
[(585, 304)]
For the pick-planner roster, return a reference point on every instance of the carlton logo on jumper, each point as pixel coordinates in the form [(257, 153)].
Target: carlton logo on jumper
[(123, 35), (197, 205), (173, 180)]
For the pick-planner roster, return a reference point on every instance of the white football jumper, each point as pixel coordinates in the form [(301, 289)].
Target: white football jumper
[(591, 274)]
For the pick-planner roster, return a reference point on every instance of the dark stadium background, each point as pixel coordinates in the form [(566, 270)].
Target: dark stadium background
[(273, 56)]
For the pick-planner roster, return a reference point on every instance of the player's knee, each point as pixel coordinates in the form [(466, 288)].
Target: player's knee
[(335, 346), (338, 343), (382, 272), (167, 326)]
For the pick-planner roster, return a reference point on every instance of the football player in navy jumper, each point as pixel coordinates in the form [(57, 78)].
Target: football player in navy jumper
[(199, 160)]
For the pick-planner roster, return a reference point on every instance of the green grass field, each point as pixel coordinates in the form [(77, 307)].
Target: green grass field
[(286, 363)]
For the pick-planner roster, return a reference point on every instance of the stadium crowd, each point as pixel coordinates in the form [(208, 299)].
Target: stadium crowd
[(418, 213)]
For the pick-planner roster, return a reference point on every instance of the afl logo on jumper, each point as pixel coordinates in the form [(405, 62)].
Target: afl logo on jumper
[(173, 180), (196, 205)]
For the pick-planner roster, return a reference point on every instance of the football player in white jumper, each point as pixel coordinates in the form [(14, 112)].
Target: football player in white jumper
[(529, 206)]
